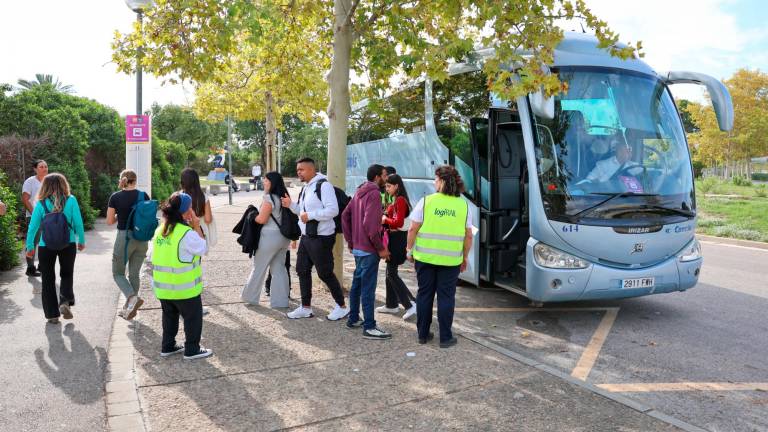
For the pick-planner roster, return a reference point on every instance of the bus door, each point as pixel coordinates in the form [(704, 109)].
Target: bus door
[(506, 227)]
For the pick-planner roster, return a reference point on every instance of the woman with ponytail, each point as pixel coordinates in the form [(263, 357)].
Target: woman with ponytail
[(118, 209), (439, 241)]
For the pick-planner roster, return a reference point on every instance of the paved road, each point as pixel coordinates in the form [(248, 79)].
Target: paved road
[(698, 355), (52, 376)]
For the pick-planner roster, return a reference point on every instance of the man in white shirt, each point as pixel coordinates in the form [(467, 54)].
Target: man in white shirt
[(318, 235), (29, 198), (607, 168)]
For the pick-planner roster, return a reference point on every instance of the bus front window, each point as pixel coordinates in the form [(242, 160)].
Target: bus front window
[(615, 150)]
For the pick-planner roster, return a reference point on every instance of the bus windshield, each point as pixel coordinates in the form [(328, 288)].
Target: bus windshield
[(615, 151)]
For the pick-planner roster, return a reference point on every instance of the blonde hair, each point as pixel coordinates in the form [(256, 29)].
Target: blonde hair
[(56, 187), (127, 177)]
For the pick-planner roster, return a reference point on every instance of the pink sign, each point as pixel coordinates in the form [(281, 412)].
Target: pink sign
[(137, 129)]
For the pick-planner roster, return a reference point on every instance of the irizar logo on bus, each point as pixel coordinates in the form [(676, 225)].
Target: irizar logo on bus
[(445, 212)]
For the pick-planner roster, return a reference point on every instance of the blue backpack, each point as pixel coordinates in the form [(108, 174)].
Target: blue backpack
[(142, 221), (55, 227)]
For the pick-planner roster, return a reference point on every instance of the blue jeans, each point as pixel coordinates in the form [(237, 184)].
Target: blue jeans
[(364, 287)]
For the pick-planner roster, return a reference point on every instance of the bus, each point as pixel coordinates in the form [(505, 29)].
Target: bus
[(585, 195)]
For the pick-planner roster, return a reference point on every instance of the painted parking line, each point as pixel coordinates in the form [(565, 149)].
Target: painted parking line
[(592, 351), (683, 386)]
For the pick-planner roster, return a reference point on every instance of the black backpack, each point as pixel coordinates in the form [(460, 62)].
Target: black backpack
[(289, 224), (55, 228), (341, 197)]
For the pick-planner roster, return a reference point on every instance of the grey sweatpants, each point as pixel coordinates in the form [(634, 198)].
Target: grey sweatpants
[(137, 252), (270, 254)]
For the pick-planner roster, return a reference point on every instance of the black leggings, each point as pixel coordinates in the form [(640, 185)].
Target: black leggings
[(47, 267), (396, 288)]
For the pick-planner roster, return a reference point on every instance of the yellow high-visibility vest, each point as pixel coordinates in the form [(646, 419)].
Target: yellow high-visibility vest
[(173, 279), (440, 239)]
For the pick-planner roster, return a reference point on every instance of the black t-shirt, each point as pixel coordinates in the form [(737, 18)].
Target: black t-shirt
[(123, 201)]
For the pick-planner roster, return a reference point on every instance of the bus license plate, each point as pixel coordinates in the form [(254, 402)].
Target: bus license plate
[(638, 283)]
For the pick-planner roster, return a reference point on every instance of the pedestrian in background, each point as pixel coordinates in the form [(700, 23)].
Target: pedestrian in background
[(439, 240), (3, 208), (127, 251), (396, 236), (316, 208), (177, 278), (273, 247), (361, 222), (54, 197), (29, 192)]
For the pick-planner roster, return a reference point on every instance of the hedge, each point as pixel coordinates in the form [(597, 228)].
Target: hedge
[(10, 246), (760, 176)]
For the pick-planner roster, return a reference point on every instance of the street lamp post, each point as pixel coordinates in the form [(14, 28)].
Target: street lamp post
[(138, 154), (139, 6)]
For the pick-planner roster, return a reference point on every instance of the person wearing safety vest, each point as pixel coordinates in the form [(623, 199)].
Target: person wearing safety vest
[(177, 278), (439, 240)]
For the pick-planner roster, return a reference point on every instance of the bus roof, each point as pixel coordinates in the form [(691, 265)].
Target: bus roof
[(576, 49)]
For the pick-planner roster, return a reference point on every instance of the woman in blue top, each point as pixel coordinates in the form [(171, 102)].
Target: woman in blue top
[(54, 197)]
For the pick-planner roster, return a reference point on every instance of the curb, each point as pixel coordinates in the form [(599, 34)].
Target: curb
[(123, 406), (623, 400), (732, 241)]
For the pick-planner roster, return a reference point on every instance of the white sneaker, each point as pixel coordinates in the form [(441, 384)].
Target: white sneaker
[(410, 312), (338, 313), (205, 310), (385, 309), (300, 312)]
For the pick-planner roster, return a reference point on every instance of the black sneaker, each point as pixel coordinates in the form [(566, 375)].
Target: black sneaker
[(200, 354), (31, 271), (354, 325), (176, 350), (429, 337), (449, 343), (376, 333)]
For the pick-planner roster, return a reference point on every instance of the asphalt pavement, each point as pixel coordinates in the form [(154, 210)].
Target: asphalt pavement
[(52, 375), (698, 356)]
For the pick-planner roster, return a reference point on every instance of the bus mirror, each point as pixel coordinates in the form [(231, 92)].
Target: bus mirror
[(718, 92), (542, 106)]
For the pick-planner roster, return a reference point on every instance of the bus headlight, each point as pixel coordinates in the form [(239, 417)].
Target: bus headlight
[(691, 252), (547, 256)]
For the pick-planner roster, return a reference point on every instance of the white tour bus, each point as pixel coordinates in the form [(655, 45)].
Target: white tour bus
[(585, 195)]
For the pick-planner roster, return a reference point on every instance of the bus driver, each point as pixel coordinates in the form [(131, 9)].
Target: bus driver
[(606, 169)]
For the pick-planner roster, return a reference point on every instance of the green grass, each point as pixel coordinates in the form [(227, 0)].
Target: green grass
[(743, 216), (740, 218)]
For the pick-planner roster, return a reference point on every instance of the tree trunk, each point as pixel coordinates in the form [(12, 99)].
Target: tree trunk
[(338, 110), (271, 133)]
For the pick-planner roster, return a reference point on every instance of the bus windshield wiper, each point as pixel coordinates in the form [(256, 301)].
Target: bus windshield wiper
[(681, 212), (611, 196)]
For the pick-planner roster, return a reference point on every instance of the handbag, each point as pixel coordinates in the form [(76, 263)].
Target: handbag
[(211, 233)]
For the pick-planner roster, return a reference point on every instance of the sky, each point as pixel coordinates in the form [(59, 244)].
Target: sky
[(71, 40)]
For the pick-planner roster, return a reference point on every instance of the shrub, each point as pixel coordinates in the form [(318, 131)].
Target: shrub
[(102, 187), (735, 231), (760, 176), (10, 246), (168, 160), (741, 181), (707, 185), (761, 191)]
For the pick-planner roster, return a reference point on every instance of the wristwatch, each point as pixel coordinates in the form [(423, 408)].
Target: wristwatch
[(409, 253)]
